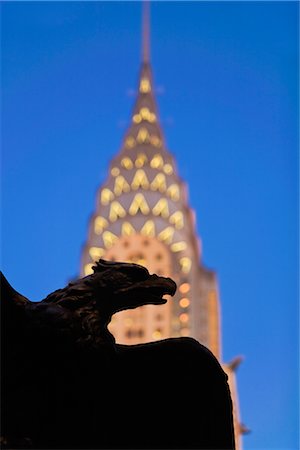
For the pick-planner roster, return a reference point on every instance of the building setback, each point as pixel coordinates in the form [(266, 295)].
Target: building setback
[(143, 215)]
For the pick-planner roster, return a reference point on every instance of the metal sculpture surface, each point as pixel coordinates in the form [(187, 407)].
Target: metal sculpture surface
[(66, 384)]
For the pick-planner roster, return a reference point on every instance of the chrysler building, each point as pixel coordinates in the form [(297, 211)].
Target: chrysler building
[(142, 214)]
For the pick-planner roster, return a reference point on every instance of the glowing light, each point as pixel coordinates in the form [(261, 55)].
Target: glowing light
[(129, 142), (155, 141), (145, 86), (116, 211), (185, 264), (99, 224), (184, 288), (115, 171), (127, 163), (137, 118), (161, 208), (96, 253), (156, 334), (159, 183), (121, 185), (184, 317), (143, 135), (173, 192), (141, 160), (144, 114), (88, 269), (106, 196), (147, 115), (157, 162), (168, 169), (184, 302), (178, 246), (140, 180), (139, 203), (177, 220), (109, 239), (166, 235), (127, 229), (148, 229)]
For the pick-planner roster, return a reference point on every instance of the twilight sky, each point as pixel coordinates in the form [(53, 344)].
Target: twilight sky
[(227, 79)]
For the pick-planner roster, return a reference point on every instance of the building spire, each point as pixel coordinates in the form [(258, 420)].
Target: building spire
[(146, 32)]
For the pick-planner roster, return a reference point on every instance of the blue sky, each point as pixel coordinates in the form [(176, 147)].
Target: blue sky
[(227, 87)]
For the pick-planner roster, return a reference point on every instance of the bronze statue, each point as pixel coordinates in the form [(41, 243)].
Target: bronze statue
[(66, 384)]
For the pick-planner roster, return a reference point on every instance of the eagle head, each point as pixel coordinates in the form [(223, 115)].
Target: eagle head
[(120, 285)]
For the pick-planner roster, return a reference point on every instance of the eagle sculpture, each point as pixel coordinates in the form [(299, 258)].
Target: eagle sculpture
[(66, 384)]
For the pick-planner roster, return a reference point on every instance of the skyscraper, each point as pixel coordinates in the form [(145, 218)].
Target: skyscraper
[(143, 215)]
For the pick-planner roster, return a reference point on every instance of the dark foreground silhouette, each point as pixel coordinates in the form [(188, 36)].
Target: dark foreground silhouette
[(67, 385)]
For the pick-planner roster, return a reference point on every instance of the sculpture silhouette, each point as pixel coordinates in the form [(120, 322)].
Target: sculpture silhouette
[(66, 384)]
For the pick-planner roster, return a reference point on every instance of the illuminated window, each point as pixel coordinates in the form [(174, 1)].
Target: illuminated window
[(156, 334), (143, 135), (140, 180), (173, 192), (184, 302), (177, 220), (148, 229), (96, 253), (127, 229), (157, 162), (137, 118), (178, 246), (88, 269), (159, 183), (106, 196), (109, 239), (129, 142), (161, 208), (185, 264), (145, 86), (155, 141), (141, 160), (147, 115), (166, 235), (115, 171), (184, 317), (127, 163), (99, 224), (116, 211), (168, 169), (139, 203), (184, 288), (121, 185), (144, 114)]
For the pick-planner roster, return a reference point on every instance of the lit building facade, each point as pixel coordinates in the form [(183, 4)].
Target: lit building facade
[(143, 215)]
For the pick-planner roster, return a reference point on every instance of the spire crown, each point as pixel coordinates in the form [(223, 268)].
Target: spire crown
[(146, 32), (145, 127)]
